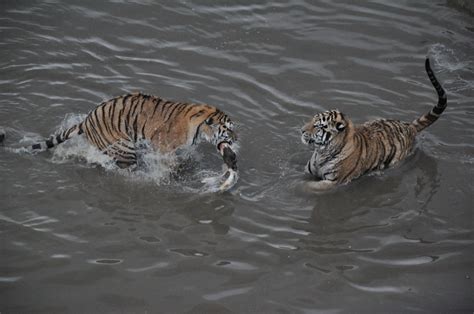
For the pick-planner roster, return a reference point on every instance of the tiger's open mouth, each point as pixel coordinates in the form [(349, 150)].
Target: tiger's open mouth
[(220, 146), (230, 159)]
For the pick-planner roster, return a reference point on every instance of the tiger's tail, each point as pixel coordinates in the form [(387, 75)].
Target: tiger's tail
[(430, 117), (2, 136), (57, 139)]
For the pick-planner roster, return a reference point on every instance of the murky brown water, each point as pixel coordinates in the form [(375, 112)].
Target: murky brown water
[(77, 238)]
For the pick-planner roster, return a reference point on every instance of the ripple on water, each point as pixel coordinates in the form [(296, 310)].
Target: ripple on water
[(61, 256), (381, 289), (401, 262), (105, 261), (150, 239), (235, 265), (10, 279), (157, 265), (189, 252), (226, 293)]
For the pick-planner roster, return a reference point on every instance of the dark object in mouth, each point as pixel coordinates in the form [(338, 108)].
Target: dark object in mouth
[(230, 158)]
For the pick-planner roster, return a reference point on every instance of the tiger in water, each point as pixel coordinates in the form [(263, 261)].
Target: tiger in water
[(117, 126), (345, 151)]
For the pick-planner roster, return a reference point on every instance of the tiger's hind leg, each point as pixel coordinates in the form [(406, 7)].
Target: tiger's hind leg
[(124, 153)]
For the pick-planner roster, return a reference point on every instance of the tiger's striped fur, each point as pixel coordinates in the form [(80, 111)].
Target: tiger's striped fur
[(345, 151), (117, 125)]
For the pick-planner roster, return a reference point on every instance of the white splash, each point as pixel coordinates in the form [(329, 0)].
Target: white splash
[(218, 182), (447, 59)]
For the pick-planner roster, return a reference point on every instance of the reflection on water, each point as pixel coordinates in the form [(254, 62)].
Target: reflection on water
[(79, 237)]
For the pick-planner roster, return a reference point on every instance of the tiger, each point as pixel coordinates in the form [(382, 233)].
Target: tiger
[(117, 126), (345, 151)]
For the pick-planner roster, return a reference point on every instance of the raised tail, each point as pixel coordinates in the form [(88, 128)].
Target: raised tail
[(57, 139), (2, 136), (430, 117)]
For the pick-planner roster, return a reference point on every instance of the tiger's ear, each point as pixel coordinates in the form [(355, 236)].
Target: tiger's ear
[(340, 126)]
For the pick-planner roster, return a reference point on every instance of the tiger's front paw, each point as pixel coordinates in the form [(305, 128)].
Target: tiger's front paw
[(319, 186)]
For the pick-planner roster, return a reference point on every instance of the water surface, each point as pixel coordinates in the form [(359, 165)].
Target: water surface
[(77, 237)]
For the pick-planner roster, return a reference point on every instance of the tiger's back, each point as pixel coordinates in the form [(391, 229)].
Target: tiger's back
[(138, 116), (378, 145)]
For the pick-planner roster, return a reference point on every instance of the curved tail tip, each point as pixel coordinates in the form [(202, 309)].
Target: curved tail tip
[(2, 136), (427, 63)]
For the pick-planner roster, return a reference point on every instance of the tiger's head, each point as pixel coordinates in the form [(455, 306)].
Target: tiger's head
[(324, 128), (217, 128)]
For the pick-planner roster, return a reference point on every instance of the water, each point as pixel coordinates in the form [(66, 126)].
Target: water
[(79, 237)]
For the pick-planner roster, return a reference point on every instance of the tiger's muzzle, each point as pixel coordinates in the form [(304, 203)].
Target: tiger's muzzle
[(306, 137)]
